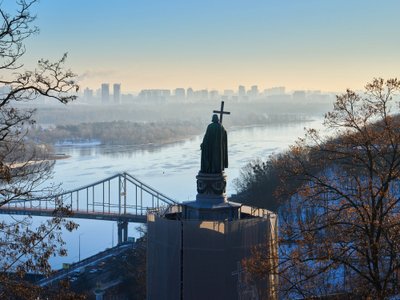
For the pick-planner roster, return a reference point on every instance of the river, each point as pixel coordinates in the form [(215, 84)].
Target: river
[(170, 168)]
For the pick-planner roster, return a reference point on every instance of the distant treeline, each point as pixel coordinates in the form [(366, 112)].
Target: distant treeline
[(140, 133), (117, 132)]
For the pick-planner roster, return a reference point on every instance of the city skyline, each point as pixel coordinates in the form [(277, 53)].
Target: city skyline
[(254, 90), (303, 45), (104, 95)]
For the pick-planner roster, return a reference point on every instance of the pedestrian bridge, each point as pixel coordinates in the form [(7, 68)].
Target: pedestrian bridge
[(122, 198)]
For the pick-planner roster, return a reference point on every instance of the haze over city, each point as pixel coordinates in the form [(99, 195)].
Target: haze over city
[(207, 149), (303, 45)]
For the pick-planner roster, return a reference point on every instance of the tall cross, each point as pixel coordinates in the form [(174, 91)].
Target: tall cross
[(221, 112)]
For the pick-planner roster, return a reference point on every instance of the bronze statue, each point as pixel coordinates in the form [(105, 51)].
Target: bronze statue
[(214, 149)]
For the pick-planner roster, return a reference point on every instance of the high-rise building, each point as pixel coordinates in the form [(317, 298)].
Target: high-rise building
[(274, 91), (117, 92), (213, 95), (88, 94), (299, 95), (203, 94), (189, 93), (241, 91), (155, 95), (180, 93), (254, 91), (105, 92), (228, 92)]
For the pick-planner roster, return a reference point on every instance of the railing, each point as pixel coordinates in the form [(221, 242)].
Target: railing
[(116, 196)]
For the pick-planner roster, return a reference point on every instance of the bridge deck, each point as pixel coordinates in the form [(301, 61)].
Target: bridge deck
[(76, 214), (121, 197)]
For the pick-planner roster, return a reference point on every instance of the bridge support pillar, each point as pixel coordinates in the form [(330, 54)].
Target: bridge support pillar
[(122, 232)]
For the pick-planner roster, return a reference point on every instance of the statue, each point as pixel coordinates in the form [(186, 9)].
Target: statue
[(211, 180), (214, 149)]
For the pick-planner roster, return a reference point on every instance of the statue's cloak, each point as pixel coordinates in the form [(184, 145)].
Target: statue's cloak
[(214, 149)]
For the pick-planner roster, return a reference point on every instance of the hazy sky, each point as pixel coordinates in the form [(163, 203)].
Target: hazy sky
[(311, 44)]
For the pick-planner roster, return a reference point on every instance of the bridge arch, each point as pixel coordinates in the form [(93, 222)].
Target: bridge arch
[(121, 197)]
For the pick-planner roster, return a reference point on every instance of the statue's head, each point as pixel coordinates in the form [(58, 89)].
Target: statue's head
[(215, 118)]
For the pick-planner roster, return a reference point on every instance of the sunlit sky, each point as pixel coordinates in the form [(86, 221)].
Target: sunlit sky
[(328, 45)]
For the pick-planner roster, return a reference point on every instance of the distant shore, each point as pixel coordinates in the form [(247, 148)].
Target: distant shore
[(133, 133)]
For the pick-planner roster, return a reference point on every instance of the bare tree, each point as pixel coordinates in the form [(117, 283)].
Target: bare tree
[(340, 221), (24, 167), (257, 184), (343, 221)]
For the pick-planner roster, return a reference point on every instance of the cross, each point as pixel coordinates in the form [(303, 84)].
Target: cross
[(221, 112)]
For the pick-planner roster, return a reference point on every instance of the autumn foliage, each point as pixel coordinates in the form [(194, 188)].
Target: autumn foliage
[(24, 168), (339, 210)]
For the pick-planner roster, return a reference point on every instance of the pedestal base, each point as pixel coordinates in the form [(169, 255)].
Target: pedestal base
[(211, 200), (211, 188), (203, 210)]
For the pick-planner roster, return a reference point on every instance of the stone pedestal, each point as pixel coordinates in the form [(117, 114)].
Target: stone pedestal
[(211, 200), (211, 188)]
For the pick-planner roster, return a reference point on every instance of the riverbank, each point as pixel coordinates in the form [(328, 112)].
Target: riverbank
[(114, 133), (137, 134)]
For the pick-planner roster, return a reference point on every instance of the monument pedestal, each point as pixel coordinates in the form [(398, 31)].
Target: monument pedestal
[(211, 200), (194, 248), (211, 188)]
